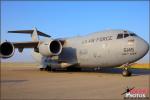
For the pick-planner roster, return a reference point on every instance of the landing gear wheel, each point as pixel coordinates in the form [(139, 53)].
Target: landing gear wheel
[(53, 70), (41, 69), (73, 69), (48, 68), (126, 73)]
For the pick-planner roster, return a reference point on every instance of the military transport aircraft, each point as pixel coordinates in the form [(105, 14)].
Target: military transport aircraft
[(109, 48)]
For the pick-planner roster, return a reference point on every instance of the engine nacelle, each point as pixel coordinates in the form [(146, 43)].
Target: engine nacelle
[(50, 48), (6, 50)]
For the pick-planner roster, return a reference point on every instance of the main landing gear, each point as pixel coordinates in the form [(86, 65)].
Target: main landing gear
[(73, 69), (48, 68), (42, 69), (126, 72)]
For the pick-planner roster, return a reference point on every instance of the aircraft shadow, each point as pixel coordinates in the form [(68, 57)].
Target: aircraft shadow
[(135, 72), (12, 81)]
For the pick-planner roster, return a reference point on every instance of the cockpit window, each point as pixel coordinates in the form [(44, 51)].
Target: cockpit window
[(120, 36), (132, 34), (126, 35)]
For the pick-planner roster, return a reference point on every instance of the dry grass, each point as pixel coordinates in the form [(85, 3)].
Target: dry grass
[(141, 66)]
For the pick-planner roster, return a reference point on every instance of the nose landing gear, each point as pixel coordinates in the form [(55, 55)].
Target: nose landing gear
[(126, 72)]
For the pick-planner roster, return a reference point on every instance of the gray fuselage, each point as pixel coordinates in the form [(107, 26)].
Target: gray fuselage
[(103, 49)]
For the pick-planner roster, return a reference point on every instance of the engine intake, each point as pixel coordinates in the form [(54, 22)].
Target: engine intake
[(55, 47), (50, 48), (6, 50)]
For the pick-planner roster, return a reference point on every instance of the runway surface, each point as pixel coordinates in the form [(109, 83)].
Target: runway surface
[(25, 81)]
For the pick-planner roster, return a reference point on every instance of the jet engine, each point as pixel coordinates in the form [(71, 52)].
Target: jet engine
[(50, 48), (6, 50)]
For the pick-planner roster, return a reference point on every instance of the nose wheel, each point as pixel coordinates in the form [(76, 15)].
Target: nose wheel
[(126, 72)]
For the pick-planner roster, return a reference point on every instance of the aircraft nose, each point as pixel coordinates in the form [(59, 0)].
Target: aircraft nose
[(143, 47)]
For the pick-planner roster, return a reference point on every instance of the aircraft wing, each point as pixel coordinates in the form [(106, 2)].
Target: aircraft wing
[(7, 48), (22, 45), (30, 44)]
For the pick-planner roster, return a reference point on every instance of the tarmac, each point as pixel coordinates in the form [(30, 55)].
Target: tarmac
[(26, 81)]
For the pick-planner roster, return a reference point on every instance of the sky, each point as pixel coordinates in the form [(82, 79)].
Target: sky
[(71, 18)]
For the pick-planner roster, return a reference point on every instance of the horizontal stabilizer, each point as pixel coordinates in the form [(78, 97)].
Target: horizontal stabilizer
[(29, 32)]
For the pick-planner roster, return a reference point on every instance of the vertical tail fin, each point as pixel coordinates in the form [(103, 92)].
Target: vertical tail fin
[(34, 35)]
